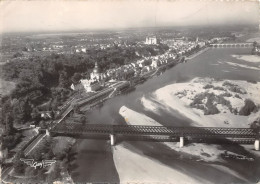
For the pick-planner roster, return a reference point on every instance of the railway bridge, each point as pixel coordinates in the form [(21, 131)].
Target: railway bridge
[(137, 132), (232, 45)]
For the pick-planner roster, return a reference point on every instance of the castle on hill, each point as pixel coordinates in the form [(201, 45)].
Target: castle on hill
[(151, 40)]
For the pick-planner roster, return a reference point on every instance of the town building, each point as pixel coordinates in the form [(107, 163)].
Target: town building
[(76, 87), (46, 115), (96, 74), (90, 85), (155, 64), (151, 40)]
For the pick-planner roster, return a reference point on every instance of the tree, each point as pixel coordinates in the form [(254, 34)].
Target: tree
[(43, 124), (255, 124), (19, 167), (55, 174), (55, 103), (248, 108), (22, 111), (76, 108), (18, 164), (76, 77), (8, 124), (63, 79), (29, 172), (35, 114), (52, 113), (17, 54), (83, 119), (49, 155)]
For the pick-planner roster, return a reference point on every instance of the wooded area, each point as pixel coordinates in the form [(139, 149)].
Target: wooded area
[(42, 83)]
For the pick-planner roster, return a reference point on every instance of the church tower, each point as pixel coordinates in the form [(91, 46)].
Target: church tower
[(96, 69), (96, 74)]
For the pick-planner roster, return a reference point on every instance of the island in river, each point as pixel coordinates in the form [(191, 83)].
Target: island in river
[(133, 161), (207, 103)]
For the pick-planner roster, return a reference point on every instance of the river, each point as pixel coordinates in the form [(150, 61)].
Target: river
[(94, 161)]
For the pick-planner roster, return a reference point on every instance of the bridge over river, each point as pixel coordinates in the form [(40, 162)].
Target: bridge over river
[(140, 132), (232, 45)]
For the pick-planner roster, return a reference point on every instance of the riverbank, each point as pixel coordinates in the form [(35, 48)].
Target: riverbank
[(155, 70), (133, 82), (198, 53), (248, 58)]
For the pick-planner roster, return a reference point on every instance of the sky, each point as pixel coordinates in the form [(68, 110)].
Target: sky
[(53, 15)]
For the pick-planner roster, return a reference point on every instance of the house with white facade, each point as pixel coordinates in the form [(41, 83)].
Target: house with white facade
[(151, 40), (90, 85)]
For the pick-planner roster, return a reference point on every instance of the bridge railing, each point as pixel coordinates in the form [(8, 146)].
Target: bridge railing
[(69, 128)]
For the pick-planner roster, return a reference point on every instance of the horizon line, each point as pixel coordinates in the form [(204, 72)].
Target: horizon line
[(129, 28)]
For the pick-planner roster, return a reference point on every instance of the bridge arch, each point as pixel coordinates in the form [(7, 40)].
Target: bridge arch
[(231, 45)]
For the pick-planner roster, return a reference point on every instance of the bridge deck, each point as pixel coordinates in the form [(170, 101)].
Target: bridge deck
[(78, 129)]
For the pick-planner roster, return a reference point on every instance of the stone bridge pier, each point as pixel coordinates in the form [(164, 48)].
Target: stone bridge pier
[(112, 139), (256, 144), (181, 142)]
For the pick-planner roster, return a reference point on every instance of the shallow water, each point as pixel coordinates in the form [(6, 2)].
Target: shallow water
[(204, 65), (209, 64)]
